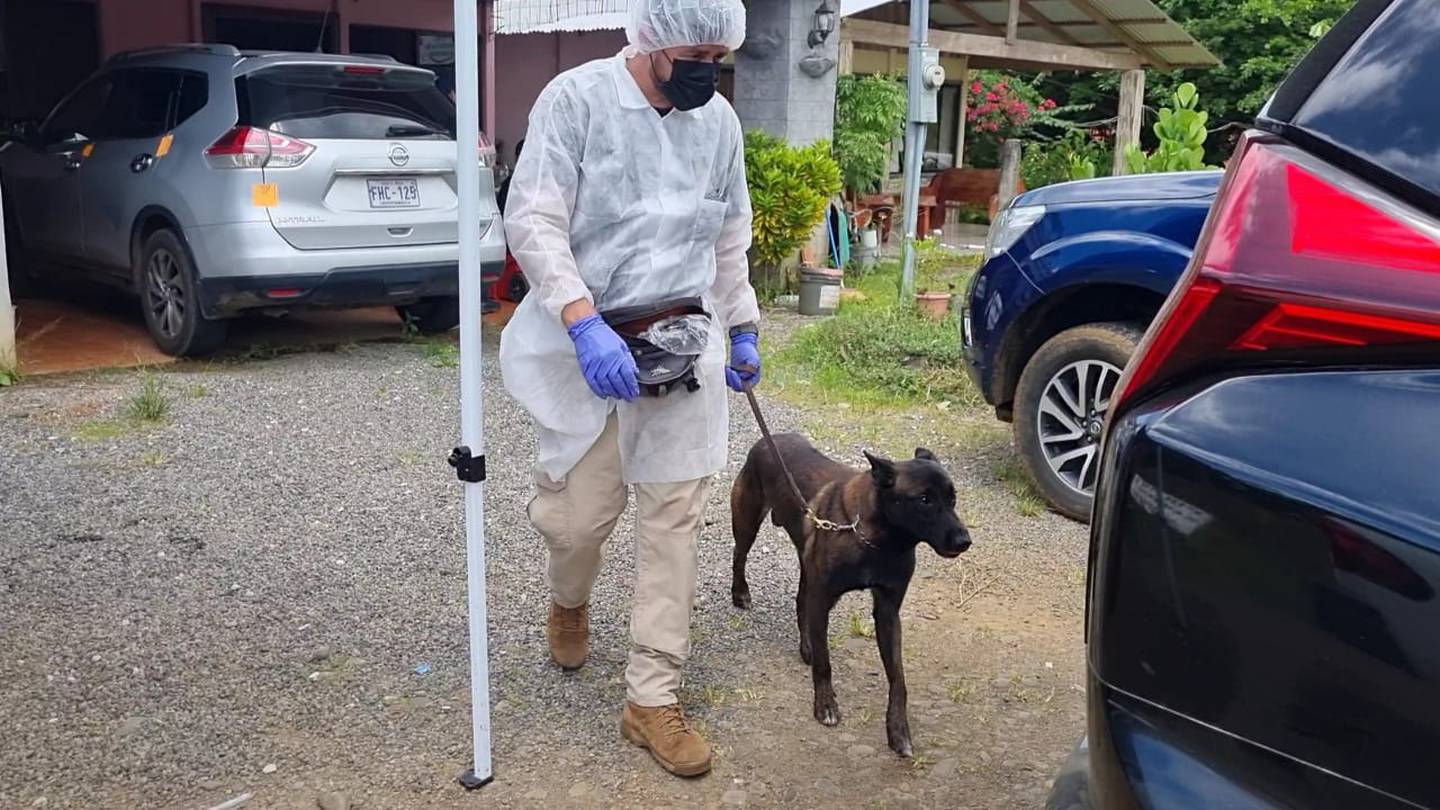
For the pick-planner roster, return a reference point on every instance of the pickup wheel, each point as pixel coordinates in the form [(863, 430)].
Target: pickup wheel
[(1060, 407)]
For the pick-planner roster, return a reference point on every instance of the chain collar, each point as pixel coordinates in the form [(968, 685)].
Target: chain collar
[(832, 526)]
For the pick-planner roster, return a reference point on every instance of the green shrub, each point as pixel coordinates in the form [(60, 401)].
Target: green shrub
[(789, 189), (879, 350)]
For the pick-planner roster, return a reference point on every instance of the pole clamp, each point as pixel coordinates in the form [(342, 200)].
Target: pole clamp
[(468, 468)]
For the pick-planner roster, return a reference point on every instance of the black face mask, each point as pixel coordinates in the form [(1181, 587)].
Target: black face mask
[(691, 83)]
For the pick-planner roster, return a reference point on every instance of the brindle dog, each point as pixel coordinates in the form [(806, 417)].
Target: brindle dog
[(872, 522)]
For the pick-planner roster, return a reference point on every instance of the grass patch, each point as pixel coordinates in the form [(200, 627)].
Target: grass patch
[(103, 430), (1012, 475), (737, 623), (878, 350), (149, 404), (441, 353), (197, 391)]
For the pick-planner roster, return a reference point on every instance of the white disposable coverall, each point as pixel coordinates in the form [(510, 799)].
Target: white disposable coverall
[(617, 204)]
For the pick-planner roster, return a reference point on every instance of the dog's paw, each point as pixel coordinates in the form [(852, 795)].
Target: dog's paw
[(902, 748), (827, 711), (741, 599), (805, 653)]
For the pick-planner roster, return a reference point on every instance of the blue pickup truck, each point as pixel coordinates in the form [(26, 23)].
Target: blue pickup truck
[(1073, 274)]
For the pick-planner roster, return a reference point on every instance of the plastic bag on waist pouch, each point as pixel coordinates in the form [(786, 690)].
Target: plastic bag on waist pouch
[(680, 334)]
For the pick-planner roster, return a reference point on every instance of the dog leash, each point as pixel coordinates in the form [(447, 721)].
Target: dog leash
[(827, 525)]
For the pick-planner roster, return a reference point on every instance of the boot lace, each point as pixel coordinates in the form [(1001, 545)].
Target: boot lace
[(673, 722)]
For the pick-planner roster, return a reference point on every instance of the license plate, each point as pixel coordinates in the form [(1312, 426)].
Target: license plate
[(403, 193)]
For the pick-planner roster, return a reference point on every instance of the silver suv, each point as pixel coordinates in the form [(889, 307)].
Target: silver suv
[(210, 181)]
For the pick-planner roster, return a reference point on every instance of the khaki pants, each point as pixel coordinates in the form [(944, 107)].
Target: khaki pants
[(576, 516)]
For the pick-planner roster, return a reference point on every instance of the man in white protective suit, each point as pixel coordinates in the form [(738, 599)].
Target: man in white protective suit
[(630, 217)]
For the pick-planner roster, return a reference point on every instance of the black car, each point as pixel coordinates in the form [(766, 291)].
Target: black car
[(1263, 603)]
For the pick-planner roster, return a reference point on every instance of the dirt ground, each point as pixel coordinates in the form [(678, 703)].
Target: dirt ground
[(235, 601)]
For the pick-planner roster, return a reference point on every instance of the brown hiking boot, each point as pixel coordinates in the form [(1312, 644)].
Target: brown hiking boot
[(569, 633), (678, 747)]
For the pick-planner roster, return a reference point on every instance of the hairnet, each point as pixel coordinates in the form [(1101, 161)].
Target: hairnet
[(659, 24)]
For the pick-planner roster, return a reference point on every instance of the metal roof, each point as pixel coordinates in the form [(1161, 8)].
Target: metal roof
[(1119, 26), (540, 16)]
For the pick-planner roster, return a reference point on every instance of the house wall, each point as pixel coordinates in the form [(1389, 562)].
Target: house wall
[(130, 24), (525, 63)]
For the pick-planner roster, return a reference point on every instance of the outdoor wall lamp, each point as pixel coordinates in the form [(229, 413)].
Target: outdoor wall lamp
[(824, 24)]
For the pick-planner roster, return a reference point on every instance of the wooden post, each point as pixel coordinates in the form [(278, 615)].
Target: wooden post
[(1009, 172), (1012, 23), (1132, 111), (963, 103)]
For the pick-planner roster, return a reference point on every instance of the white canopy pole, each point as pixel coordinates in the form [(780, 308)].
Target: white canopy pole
[(470, 463), (914, 140)]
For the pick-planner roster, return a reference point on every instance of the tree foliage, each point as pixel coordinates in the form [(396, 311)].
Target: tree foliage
[(869, 114)]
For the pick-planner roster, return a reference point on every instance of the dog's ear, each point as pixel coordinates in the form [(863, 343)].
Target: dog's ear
[(925, 455), (882, 470)]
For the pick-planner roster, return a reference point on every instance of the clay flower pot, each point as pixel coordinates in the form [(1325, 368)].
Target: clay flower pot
[(933, 305)]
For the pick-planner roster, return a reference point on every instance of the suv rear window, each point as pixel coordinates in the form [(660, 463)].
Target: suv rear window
[(1379, 100), (345, 101)]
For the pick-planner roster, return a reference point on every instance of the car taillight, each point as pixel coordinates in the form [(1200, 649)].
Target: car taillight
[(1299, 264), (254, 148)]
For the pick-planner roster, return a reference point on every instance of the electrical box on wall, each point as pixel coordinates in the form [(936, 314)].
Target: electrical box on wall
[(924, 107)]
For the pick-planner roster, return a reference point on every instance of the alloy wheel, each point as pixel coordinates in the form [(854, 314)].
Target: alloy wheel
[(165, 293), (1071, 418)]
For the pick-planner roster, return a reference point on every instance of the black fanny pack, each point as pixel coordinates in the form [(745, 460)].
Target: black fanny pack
[(666, 338)]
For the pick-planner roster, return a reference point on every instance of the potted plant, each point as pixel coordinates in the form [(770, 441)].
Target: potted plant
[(934, 284)]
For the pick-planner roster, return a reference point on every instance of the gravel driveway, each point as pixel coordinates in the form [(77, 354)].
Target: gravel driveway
[(265, 594)]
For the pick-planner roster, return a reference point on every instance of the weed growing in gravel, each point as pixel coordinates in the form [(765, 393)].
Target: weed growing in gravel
[(197, 391), (836, 642), (441, 353), (154, 458), (748, 695), (961, 691), (149, 404), (412, 458), (9, 373), (737, 623), (919, 762), (714, 695), (1016, 481), (866, 715), (103, 430), (859, 628)]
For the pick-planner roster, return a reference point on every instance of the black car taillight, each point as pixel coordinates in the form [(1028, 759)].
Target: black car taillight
[(1299, 264)]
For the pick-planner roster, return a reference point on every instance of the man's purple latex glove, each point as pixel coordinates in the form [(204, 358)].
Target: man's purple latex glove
[(605, 360), (744, 354)]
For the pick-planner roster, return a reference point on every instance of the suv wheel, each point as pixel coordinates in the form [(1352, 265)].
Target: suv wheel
[(170, 301), (432, 315), (1060, 407)]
